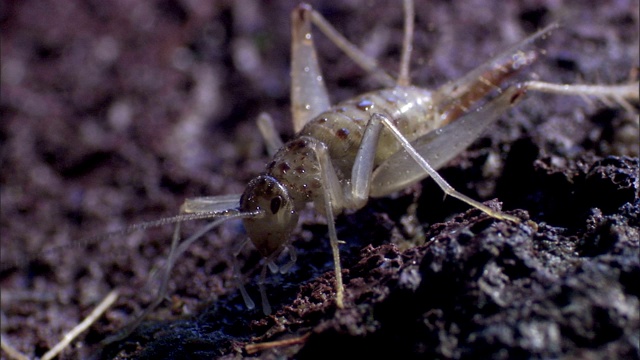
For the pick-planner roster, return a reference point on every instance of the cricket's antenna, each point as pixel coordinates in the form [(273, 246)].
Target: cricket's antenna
[(6, 265), (178, 249)]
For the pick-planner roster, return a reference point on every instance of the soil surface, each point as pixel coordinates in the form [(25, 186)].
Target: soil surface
[(114, 113)]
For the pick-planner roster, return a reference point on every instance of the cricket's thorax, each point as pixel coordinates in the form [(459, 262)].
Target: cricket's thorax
[(296, 166), (341, 128)]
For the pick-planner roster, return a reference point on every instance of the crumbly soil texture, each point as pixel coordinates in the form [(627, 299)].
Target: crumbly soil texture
[(114, 113)]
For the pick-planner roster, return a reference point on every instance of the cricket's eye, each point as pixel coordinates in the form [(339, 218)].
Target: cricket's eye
[(275, 204)]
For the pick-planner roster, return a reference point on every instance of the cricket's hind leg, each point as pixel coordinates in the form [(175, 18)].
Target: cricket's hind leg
[(420, 159), (621, 94), (439, 147), (308, 92), (359, 57)]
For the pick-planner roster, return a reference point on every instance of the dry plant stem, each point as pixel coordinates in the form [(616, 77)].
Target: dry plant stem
[(254, 348), (12, 352), (68, 337), (84, 325)]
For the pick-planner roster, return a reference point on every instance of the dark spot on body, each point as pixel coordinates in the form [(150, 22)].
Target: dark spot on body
[(342, 133), (296, 144), (364, 104), (284, 167)]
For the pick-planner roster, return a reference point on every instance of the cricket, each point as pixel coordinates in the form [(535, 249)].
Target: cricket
[(366, 147), (369, 146)]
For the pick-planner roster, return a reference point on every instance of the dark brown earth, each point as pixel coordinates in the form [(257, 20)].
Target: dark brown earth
[(113, 113)]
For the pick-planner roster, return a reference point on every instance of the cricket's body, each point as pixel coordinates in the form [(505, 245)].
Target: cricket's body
[(341, 130)]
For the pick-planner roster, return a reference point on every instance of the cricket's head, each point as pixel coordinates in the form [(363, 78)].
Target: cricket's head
[(278, 217)]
